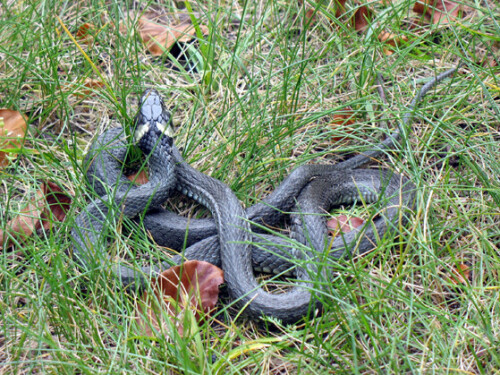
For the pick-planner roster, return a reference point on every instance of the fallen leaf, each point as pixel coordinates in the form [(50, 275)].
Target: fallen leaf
[(12, 131), (24, 224), (438, 11), (58, 202), (460, 274), (391, 39), (191, 288), (92, 84), (343, 119), (489, 62), (344, 116), (49, 199), (139, 178), (86, 33), (83, 89), (158, 37), (344, 224), (339, 6), (310, 16), (361, 18)]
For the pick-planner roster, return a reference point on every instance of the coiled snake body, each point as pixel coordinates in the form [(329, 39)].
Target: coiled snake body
[(227, 239)]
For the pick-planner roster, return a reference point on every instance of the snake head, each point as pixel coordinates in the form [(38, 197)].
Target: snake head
[(152, 116)]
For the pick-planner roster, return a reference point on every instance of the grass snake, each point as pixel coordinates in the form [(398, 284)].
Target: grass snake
[(231, 238)]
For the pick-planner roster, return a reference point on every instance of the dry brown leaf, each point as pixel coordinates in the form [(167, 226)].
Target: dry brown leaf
[(391, 39), (343, 118), (460, 274), (192, 288), (343, 223), (87, 88), (92, 84), (48, 199), (159, 38), (310, 16), (83, 89), (12, 131), (489, 62), (361, 18), (58, 202), (438, 11), (86, 33), (24, 224), (339, 6), (139, 178)]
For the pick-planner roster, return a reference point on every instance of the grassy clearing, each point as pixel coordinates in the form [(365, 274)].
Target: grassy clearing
[(262, 102)]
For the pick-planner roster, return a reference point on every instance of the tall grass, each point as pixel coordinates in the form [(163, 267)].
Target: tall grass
[(262, 101)]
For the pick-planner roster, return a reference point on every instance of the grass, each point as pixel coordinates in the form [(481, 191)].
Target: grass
[(262, 102)]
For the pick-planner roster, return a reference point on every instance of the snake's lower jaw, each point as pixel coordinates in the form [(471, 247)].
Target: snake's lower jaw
[(140, 131), (165, 128), (161, 128)]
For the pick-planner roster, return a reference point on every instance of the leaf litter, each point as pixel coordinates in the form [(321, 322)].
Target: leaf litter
[(49, 204), (12, 133), (180, 294)]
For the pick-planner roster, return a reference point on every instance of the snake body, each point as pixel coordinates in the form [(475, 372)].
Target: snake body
[(227, 240), (118, 195)]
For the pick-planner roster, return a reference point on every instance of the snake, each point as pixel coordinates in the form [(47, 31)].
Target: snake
[(235, 238)]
